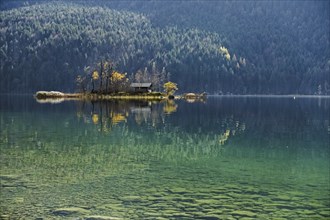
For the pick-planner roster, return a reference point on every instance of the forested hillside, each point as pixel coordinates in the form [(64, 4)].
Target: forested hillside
[(286, 42), (263, 47), (45, 46)]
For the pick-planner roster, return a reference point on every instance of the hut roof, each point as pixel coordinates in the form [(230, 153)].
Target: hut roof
[(141, 85)]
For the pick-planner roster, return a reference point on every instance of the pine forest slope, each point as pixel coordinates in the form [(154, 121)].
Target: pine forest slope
[(287, 43), (275, 47), (45, 46)]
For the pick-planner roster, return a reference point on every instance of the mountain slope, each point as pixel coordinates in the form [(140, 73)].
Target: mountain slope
[(273, 47), (286, 42), (45, 46)]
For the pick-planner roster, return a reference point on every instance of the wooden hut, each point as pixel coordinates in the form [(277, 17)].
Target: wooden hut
[(141, 87)]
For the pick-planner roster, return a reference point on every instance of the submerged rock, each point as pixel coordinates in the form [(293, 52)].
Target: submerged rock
[(282, 197), (5, 217), (71, 211), (131, 198), (244, 213), (306, 212), (178, 190), (100, 217), (209, 217), (325, 213), (11, 181), (9, 177)]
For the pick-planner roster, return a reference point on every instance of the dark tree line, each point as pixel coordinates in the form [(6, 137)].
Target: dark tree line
[(46, 46), (219, 47), (286, 42)]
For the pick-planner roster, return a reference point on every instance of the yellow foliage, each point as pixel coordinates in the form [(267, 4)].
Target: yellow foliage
[(170, 88), (105, 65), (227, 133), (116, 76), (95, 118), (227, 56), (95, 75), (224, 51), (170, 107), (117, 117)]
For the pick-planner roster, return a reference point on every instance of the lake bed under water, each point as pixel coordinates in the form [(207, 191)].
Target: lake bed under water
[(227, 158)]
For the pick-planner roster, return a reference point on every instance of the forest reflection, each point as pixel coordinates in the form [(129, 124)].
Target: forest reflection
[(137, 116), (71, 141), (107, 114)]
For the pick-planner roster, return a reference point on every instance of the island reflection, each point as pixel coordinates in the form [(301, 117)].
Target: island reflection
[(109, 113)]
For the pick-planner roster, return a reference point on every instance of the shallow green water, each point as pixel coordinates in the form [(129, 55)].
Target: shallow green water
[(228, 158)]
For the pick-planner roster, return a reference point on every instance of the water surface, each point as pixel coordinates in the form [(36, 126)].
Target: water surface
[(227, 158)]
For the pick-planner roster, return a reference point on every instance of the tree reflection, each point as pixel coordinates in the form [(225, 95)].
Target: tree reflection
[(170, 107), (107, 114), (142, 115), (55, 144)]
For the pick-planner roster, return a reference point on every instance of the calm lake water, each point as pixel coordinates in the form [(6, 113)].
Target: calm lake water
[(227, 158)]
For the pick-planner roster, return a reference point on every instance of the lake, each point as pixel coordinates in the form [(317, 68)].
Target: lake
[(226, 158)]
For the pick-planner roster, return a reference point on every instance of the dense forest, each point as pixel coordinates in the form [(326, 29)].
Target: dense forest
[(253, 47)]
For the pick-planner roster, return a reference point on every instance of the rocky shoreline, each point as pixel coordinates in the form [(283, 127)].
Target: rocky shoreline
[(57, 97)]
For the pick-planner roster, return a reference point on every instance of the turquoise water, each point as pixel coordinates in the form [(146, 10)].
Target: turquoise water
[(227, 158)]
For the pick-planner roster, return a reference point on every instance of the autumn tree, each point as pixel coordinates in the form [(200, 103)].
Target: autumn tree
[(118, 81), (95, 77), (170, 88)]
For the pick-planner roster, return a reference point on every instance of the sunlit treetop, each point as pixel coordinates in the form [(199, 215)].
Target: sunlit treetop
[(224, 51), (117, 76), (95, 75), (170, 88)]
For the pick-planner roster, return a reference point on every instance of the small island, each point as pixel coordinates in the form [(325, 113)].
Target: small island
[(104, 82)]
